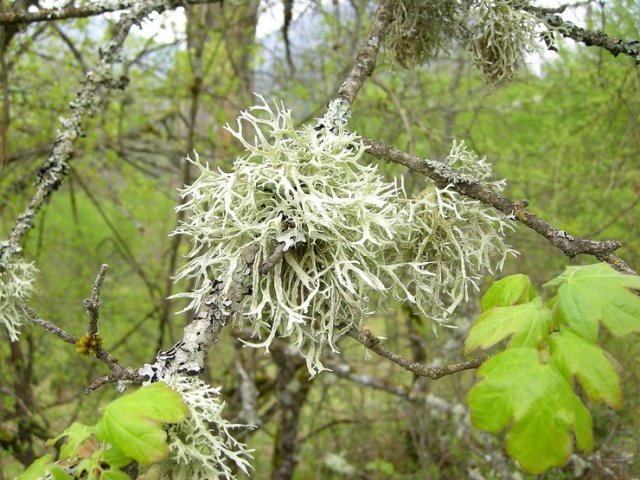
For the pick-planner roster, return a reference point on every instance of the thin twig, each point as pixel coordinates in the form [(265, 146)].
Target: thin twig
[(372, 342), (84, 11), (443, 176), (50, 327), (93, 304), (118, 372)]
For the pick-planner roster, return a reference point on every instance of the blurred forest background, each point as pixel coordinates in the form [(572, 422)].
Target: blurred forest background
[(564, 134)]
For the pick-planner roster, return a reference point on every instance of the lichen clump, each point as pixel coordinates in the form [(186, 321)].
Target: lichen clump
[(16, 286), (498, 33), (420, 29), (352, 240), (201, 446)]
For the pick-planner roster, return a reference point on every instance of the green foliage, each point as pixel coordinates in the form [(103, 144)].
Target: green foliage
[(508, 291), (588, 296), (132, 428), (529, 388), (43, 466), (133, 423), (536, 402), (527, 325)]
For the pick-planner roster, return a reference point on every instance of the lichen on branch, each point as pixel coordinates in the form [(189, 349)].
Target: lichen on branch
[(352, 241)]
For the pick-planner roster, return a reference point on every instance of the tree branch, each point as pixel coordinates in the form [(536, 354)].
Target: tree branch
[(84, 11), (93, 304), (118, 372), (367, 339), (366, 60), (591, 38), (444, 175)]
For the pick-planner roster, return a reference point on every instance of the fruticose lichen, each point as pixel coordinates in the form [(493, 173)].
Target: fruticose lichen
[(349, 235), (16, 286), (201, 446), (420, 29), (499, 33)]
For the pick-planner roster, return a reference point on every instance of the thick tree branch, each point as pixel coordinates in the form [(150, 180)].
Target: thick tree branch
[(443, 175), (367, 339), (366, 60), (84, 11)]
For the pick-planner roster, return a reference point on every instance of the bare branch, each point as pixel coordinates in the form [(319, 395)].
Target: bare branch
[(591, 38), (345, 371), (367, 339), (93, 304), (84, 11), (444, 175), (50, 327), (118, 372)]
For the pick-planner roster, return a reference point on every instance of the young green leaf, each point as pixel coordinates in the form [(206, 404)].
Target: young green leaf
[(596, 294), (77, 434), (575, 356), (527, 324), (38, 469), (114, 475), (133, 423), (538, 403), (508, 291)]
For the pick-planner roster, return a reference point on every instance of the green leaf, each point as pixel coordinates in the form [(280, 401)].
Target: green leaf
[(508, 291), (114, 475), (538, 404), (597, 294), (58, 473), (574, 356), (116, 457), (527, 324), (37, 470), (77, 434), (133, 423)]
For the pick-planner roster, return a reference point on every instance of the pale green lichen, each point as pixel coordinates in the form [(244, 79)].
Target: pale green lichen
[(349, 234), (499, 33), (16, 286), (420, 29), (201, 446)]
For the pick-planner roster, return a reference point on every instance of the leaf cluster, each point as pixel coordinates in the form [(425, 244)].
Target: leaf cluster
[(530, 388), (131, 429)]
